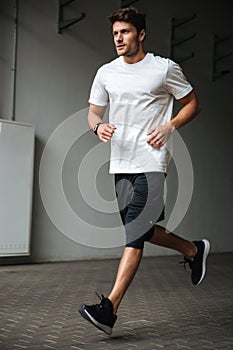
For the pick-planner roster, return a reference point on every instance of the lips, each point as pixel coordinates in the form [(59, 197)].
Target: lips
[(120, 46)]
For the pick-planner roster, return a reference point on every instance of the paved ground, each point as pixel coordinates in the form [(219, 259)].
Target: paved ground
[(162, 310)]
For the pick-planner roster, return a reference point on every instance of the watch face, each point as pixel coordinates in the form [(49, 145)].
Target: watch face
[(96, 127)]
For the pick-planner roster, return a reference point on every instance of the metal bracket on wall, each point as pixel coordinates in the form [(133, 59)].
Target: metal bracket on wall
[(127, 3), (176, 23), (219, 57), (65, 23)]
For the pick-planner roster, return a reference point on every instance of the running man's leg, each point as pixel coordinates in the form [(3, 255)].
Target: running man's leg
[(103, 315)]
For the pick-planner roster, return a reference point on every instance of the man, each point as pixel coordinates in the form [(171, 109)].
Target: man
[(140, 89)]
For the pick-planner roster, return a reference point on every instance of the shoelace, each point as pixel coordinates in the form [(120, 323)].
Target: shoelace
[(101, 297), (98, 306), (185, 261)]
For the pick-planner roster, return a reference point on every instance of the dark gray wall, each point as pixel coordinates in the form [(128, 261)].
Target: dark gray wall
[(54, 74)]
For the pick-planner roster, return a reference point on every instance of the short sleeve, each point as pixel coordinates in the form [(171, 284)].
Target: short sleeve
[(176, 82), (98, 94)]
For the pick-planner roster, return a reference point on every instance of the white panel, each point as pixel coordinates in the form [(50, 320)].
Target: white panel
[(16, 182)]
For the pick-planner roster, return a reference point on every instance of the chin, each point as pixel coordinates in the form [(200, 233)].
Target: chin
[(120, 53)]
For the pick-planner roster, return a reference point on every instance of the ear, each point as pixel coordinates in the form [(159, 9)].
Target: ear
[(142, 35)]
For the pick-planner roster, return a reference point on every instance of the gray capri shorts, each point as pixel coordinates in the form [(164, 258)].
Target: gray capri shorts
[(141, 204)]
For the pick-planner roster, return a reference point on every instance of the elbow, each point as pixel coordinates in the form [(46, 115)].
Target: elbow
[(198, 109), (196, 104)]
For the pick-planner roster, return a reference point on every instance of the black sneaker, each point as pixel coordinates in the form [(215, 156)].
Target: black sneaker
[(100, 315), (198, 263)]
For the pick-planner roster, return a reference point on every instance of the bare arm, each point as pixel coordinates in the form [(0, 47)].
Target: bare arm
[(191, 108), (95, 115), (159, 135)]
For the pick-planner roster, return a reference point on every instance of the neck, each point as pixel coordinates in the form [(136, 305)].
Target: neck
[(138, 56)]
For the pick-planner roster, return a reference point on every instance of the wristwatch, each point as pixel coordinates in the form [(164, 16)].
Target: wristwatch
[(96, 128)]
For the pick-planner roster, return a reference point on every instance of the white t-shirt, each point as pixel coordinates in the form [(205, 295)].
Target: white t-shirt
[(140, 96)]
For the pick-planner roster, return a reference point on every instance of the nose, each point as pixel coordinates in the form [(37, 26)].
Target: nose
[(119, 37)]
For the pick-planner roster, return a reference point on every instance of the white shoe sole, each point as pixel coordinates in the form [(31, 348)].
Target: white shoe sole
[(205, 255)]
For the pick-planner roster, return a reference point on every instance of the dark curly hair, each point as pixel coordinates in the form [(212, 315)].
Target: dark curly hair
[(130, 15)]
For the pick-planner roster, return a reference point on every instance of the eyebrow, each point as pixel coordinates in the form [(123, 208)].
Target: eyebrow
[(121, 30)]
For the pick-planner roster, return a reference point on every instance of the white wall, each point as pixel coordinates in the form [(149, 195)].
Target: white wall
[(54, 74)]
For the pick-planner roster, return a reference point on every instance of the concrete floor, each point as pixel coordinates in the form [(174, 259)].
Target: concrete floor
[(161, 310)]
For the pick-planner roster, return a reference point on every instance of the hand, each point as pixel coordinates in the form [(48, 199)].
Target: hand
[(105, 132), (160, 134)]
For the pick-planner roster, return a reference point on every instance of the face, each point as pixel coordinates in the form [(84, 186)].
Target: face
[(126, 39)]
